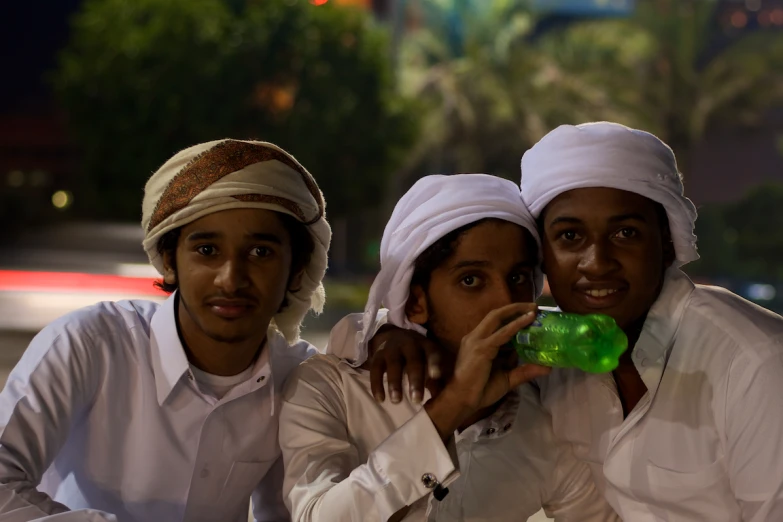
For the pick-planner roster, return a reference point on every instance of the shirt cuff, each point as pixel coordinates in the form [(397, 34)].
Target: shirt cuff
[(414, 459)]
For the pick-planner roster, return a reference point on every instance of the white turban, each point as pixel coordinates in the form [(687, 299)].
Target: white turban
[(229, 174), (433, 207), (610, 155)]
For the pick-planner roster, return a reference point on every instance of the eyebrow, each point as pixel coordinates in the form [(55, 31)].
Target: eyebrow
[(631, 216), (469, 264), (483, 264), (565, 219), (206, 236)]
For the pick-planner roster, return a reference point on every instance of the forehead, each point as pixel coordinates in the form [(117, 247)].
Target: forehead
[(598, 203), (238, 222), (496, 242)]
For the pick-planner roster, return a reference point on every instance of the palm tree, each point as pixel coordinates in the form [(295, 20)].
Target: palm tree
[(490, 92)]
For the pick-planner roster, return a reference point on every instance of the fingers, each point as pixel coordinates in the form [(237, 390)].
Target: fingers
[(415, 370), (504, 334), (526, 373), (495, 319), (433, 355), (394, 368), (377, 370)]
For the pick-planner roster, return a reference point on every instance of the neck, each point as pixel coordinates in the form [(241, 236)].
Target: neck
[(214, 356)]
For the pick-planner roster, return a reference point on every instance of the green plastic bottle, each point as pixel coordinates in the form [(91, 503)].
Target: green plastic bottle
[(593, 343)]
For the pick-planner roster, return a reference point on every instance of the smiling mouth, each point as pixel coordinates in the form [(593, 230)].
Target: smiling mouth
[(601, 293)]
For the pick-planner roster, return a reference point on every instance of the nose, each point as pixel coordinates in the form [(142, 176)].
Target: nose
[(232, 276), (504, 295), (598, 260)]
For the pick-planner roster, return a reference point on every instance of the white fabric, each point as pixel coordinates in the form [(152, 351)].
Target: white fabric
[(610, 155), (265, 178), (433, 207), (103, 411), (219, 385), (705, 442), (350, 459)]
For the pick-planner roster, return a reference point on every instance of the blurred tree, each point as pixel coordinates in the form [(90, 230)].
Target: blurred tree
[(758, 222), (493, 92), (743, 239), (682, 94), (141, 80)]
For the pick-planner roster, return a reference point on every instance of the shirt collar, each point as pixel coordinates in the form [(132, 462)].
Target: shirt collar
[(660, 328), (169, 361)]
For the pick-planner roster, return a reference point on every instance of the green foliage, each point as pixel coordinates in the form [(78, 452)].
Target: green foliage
[(743, 239), (143, 79), (494, 94)]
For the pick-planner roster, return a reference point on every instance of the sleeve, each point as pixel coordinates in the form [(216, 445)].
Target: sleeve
[(268, 504), (49, 389), (325, 480), (754, 429), (575, 497), (342, 338)]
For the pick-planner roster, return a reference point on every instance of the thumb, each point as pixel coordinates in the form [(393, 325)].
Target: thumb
[(525, 373)]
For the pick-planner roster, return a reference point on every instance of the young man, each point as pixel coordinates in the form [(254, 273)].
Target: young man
[(131, 411), (689, 426), (458, 262)]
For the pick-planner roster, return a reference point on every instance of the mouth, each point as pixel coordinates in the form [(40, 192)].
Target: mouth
[(230, 308), (598, 297)]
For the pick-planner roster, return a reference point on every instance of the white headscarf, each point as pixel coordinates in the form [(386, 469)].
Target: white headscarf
[(610, 155), (433, 207), (229, 174)]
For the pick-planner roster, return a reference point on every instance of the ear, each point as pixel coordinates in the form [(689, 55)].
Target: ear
[(295, 281), (416, 307), (169, 269)]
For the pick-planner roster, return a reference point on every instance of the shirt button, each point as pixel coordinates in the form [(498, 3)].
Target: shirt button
[(507, 427), (490, 431), (261, 378), (645, 363), (204, 473), (429, 480), (190, 376)]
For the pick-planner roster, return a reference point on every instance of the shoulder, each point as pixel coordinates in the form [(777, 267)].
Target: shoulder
[(86, 338), (722, 318), (320, 369), (100, 322)]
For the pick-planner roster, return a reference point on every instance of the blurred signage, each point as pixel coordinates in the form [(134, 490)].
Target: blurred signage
[(586, 7)]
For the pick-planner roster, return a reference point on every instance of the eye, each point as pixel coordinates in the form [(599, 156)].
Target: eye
[(261, 252), (568, 235), (206, 250), (627, 233), (519, 279), (470, 281)]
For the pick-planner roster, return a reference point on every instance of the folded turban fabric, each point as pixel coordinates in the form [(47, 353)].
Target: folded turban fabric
[(610, 155), (230, 174), (433, 207)]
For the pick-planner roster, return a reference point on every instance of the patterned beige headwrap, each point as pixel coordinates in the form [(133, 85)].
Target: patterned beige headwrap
[(228, 174)]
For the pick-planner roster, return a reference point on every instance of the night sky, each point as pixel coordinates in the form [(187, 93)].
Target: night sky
[(31, 33)]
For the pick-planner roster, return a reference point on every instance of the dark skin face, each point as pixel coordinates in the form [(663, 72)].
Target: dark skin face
[(233, 269), (606, 251), (492, 266)]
